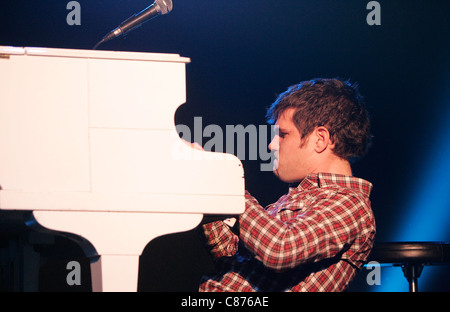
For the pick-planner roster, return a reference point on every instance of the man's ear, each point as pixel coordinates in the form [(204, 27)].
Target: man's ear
[(322, 139)]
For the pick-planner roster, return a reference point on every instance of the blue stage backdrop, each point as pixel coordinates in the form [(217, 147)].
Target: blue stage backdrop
[(246, 52)]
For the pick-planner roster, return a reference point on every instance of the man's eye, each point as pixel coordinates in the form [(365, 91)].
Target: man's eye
[(282, 134)]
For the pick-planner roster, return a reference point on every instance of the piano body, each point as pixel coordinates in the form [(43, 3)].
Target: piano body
[(88, 145)]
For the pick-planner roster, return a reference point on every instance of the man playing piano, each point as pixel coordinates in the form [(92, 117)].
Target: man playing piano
[(318, 235)]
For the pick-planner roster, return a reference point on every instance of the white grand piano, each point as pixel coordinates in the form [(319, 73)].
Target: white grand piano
[(89, 146)]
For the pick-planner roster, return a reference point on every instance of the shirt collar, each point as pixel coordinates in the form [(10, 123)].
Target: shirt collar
[(320, 180)]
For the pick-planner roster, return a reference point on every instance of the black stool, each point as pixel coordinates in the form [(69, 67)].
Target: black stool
[(412, 257)]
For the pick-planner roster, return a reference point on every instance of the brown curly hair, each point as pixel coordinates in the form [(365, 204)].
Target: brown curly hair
[(332, 103)]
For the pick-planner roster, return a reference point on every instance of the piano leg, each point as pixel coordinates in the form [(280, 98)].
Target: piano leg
[(113, 240), (116, 273)]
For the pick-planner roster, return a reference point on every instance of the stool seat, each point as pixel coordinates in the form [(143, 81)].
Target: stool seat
[(411, 252), (411, 256)]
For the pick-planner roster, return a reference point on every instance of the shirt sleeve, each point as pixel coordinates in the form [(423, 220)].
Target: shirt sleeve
[(221, 240), (323, 230)]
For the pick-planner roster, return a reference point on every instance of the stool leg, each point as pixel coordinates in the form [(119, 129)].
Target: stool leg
[(412, 273)]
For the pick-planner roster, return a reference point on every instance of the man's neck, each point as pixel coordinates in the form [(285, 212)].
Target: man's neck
[(335, 165)]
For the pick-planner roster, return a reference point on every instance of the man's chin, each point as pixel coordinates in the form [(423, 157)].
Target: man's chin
[(283, 178), (280, 177), (275, 172)]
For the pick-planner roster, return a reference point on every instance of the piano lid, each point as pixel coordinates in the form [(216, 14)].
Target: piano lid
[(94, 54)]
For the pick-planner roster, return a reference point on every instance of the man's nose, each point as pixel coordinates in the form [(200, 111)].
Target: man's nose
[(273, 146)]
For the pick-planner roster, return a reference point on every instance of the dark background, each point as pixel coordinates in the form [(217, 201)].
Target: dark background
[(243, 53)]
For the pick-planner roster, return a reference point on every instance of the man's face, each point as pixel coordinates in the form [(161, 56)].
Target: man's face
[(293, 156)]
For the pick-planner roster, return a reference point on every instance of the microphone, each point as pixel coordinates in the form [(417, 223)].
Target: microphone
[(159, 7)]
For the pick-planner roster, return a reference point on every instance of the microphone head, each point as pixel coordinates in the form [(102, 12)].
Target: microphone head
[(164, 6)]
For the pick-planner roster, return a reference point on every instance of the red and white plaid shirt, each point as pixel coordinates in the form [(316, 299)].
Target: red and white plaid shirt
[(315, 238)]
